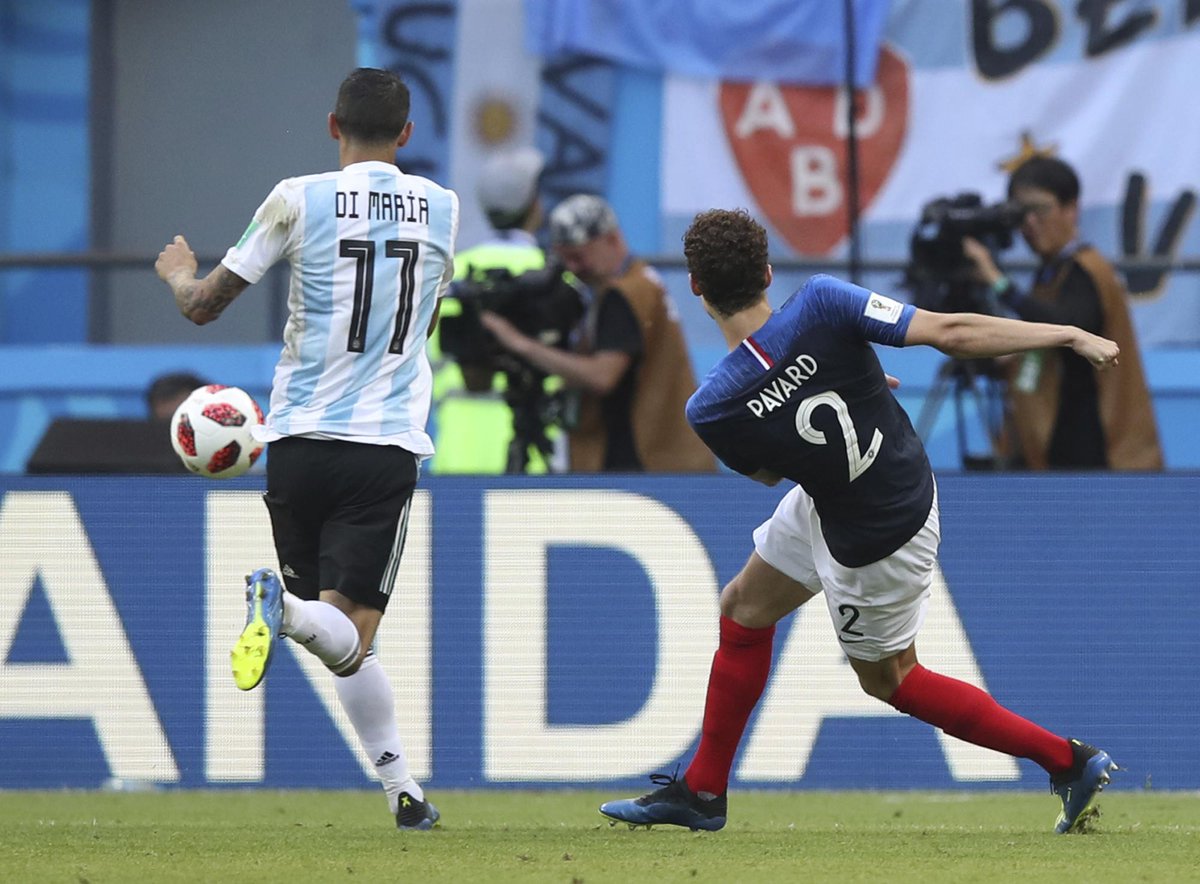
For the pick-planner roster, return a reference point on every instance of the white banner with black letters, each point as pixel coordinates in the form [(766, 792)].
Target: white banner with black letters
[(962, 92)]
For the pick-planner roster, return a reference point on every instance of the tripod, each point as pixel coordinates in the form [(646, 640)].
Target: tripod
[(977, 381), (528, 433), (534, 411)]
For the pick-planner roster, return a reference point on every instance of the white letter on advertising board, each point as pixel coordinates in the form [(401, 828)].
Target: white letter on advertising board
[(238, 533), (42, 537), (520, 744), (813, 681)]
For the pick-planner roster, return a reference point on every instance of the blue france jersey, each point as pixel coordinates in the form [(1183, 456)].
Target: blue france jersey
[(805, 398), (371, 251)]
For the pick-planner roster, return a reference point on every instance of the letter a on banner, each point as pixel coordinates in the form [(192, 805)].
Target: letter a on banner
[(813, 682), (42, 537)]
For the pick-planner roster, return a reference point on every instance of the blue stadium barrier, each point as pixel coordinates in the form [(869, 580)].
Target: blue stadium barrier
[(558, 632), (38, 384)]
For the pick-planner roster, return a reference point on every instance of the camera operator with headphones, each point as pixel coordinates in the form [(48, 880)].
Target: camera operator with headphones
[(628, 359), (1066, 414)]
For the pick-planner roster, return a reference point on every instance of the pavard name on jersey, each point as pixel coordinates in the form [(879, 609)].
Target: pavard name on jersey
[(805, 398)]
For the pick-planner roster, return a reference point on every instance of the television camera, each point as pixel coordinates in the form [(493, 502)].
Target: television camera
[(940, 277), (543, 304), (939, 274)]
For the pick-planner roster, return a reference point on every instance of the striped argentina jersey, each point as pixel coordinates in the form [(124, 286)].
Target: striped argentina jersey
[(371, 251)]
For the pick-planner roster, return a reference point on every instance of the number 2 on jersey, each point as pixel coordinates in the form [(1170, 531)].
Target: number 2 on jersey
[(858, 461), (363, 253)]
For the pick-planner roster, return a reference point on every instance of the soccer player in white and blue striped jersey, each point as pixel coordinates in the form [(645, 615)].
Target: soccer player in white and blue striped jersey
[(371, 252)]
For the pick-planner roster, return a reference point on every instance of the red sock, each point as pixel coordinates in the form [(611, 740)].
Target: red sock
[(966, 712), (739, 674)]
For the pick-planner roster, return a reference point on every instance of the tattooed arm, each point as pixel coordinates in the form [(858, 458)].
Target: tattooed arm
[(200, 300)]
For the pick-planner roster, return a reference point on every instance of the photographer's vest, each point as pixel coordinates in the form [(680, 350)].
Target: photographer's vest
[(1130, 434), (664, 441), (472, 430)]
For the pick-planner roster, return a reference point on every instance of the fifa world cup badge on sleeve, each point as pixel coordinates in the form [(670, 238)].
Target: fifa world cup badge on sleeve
[(883, 309)]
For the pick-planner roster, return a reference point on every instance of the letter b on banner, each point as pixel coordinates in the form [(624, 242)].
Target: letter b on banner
[(816, 188)]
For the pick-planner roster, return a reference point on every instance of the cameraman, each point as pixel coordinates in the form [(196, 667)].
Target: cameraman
[(629, 358), (1066, 414), (472, 422)]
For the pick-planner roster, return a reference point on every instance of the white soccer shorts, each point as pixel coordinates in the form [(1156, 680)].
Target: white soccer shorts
[(877, 609)]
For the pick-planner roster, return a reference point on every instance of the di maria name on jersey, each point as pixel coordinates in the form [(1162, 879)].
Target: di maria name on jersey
[(805, 398), (371, 250)]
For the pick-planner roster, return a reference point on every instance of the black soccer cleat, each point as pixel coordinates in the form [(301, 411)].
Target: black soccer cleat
[(674, 805), (415, 814), (1079, 785)]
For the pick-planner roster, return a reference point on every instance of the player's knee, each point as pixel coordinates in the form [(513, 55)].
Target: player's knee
[(878, 686), (351, 665), (878, 680), (753, 605), (735, 602)]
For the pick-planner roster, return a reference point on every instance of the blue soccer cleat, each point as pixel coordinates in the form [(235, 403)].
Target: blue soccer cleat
[(251, 655), (1079, 785), (674, 804), (416, 815)]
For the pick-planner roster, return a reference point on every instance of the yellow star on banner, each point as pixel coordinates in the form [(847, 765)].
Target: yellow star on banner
[(1027, 151)]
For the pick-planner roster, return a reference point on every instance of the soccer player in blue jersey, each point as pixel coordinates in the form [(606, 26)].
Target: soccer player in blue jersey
[(801, 396), (371, 252)]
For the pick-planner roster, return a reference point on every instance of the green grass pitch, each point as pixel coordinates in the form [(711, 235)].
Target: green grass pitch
[(557, 836)]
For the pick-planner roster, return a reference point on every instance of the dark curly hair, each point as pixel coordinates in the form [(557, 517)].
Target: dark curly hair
[(726, 252)]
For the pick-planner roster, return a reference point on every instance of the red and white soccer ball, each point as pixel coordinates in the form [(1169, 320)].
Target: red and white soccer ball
[(211, 431)]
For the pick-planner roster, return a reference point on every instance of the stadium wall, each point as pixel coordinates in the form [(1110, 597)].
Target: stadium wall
[(558, 632), (39, 383)]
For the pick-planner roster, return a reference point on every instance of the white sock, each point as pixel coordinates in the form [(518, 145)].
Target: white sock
[(322, 629), (369, 702)]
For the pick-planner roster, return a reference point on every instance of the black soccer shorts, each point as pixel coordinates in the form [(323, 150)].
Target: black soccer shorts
[(339, 513)]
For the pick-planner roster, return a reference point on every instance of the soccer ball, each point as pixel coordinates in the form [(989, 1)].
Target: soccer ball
[(211, 431)]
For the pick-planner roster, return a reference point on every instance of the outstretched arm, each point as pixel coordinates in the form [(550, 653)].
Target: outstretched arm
[(975, 336), (200, 300), (597, 373)]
